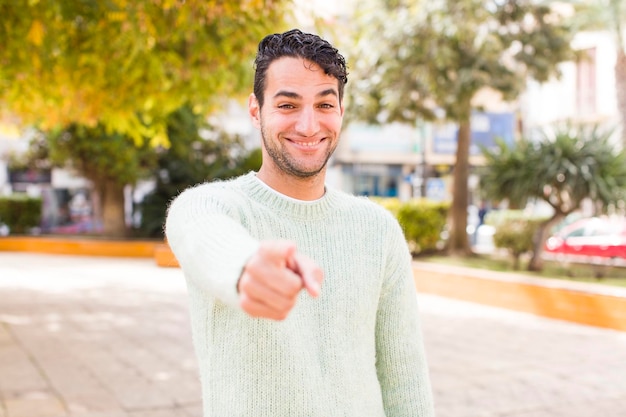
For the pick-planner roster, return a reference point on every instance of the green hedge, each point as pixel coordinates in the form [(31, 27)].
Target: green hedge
[(20, 212), (514, 231), (421, 220)]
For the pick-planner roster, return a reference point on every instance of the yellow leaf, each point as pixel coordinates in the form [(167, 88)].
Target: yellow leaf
[(117, 16), (35, 33), (160, 138), (36, 62)]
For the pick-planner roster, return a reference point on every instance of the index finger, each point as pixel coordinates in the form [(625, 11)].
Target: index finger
[(311, 274)]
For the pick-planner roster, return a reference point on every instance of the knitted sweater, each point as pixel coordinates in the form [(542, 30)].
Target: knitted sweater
[(355, 351)]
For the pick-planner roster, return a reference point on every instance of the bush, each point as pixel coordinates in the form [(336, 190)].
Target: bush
[(515, 232), (20, 212), (421, 220)]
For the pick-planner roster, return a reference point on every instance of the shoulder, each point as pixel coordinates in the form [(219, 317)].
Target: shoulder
[(217, 192)]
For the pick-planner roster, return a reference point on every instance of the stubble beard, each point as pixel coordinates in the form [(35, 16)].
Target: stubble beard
[(286, 163)]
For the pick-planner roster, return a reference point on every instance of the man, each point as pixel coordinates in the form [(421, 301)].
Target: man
[(270, 340)]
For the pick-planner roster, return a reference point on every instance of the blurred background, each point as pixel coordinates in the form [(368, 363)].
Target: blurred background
[(492, 130), (503, 118)]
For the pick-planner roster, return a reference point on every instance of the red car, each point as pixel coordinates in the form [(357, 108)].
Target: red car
[(591, 237)]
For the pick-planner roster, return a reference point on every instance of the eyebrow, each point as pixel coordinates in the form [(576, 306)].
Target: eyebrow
[(291, 94)]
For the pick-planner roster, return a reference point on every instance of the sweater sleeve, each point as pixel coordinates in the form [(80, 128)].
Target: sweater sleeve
[(208, 241), (400, 358)]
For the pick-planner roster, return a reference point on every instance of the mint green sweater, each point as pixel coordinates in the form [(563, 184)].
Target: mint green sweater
[(355, 351)]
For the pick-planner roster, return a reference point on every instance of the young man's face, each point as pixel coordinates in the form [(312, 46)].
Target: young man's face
[(301, 117)]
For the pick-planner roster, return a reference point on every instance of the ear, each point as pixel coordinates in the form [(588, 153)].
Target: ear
[(254, 110)]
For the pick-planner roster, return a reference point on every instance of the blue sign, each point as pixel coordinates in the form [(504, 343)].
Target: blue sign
[(486, 127), (436, 189)]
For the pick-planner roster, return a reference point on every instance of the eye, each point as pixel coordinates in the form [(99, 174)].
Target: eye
[(327, 106), (286, 106)]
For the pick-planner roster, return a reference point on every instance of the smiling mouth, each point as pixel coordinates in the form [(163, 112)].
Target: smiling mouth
[(308, 144)]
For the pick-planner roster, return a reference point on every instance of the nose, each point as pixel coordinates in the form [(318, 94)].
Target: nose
[(307, 123)]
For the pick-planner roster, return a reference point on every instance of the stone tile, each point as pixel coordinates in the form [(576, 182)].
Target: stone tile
[(93, 337), (193, 410), (34, 403), (171, 412), (18, 372), (105, 413)]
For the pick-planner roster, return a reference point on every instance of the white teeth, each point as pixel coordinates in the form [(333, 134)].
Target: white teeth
[(310, 144)]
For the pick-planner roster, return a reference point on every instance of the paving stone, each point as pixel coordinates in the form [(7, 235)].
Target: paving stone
[(105, 413), (173, 412), (18, 372), (99, 337), (35, 403), (194, 410)]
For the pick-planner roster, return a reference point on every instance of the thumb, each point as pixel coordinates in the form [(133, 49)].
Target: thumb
[(311, 275)]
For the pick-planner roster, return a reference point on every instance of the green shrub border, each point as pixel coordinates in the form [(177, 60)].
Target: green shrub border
[(514, 231), (20, 212), (422, 221)]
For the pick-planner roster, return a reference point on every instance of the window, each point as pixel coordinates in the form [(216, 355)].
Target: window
[(586, 83)]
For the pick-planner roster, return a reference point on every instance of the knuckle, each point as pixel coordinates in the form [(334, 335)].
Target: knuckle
[(281, 315), (251, 267), (244, 283), (246, 302), (293, 285), (283, 305)]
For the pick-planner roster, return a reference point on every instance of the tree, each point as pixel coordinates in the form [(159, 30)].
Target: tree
[(566, 167), (198, 152), (101, 78), (414, 58), (192, 158), (109, 160), (126, 65)]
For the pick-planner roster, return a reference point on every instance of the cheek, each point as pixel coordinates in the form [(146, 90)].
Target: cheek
[(334, 123), (276, 123)]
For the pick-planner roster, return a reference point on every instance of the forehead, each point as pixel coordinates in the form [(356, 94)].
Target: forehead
[(297, 75)]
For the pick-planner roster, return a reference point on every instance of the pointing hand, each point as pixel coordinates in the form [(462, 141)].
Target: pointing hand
[(273, 277)]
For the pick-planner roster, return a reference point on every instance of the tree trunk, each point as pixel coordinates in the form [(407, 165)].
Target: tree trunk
[(516, 261), (458, 243), (620, 88), (541, 235), (111, 199)]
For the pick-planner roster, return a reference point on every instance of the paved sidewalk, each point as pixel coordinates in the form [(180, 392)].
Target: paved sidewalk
[(109, 337)]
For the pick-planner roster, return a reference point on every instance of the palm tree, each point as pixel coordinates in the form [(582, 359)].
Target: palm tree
[(415, 59), (564, 168)]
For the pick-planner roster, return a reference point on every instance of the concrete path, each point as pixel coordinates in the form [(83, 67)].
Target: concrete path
[(109, 337)]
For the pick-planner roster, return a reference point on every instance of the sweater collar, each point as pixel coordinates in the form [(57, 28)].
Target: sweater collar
[(265, 195)]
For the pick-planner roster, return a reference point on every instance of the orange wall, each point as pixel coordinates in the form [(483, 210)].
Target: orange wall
[(79, 246), (572, 304)]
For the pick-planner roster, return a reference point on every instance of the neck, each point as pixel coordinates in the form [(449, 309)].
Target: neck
[(306, 189)]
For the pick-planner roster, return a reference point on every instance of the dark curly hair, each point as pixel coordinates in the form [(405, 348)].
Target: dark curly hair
[(295, 43)]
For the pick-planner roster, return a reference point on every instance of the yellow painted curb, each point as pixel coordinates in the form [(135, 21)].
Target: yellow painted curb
[(590, 304), (164, 257), (79, 246)]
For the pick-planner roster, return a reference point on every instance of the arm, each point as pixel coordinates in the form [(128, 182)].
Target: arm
[(400, 359), (221, 258), (209, 242)]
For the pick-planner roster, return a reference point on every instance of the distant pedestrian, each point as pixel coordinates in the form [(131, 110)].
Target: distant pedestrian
[(482, 212), (250, 245)]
